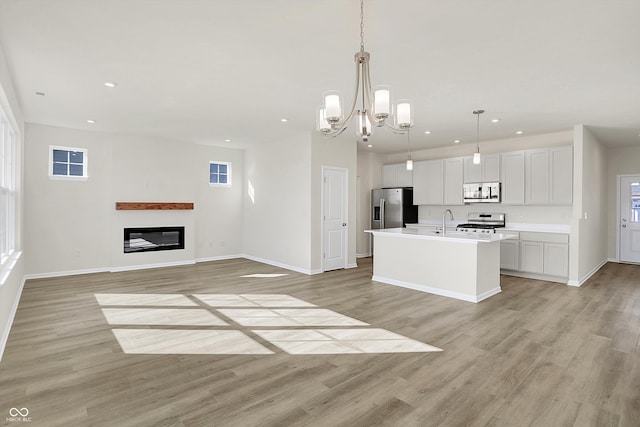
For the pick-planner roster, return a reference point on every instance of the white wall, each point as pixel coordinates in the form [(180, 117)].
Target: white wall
[(588, 242), (620, 161), (11, 279), (369, 177), (72, 226), (277, 223), (337, 152)]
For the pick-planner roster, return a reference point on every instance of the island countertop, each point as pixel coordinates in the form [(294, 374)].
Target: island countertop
[(452, 236)]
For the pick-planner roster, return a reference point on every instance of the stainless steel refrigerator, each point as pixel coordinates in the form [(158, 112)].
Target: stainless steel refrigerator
[(392, 208)]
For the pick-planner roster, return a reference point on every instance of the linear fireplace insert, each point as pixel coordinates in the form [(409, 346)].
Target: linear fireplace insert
[(147, 239)]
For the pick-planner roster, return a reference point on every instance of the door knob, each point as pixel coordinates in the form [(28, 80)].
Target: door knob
[(624, 225), (344, 224)]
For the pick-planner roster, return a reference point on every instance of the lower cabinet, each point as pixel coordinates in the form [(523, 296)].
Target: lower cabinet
[(532, 257), (556, 259), (545, 254), (510, 254)]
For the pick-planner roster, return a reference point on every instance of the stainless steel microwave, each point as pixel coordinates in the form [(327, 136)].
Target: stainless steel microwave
[(482, 192)]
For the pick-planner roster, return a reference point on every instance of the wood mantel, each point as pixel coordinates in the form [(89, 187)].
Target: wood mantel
[(152, 206)]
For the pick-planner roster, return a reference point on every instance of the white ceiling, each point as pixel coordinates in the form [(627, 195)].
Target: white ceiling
[(208, 70)]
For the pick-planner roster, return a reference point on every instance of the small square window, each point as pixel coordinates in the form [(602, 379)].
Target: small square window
[(67, 162), (220, 174)]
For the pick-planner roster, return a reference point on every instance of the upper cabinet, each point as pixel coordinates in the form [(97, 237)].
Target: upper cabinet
[(512, 177), (549, 176), (420, 182), (487, 171), (453, 179), (561, 169), (396, 175)]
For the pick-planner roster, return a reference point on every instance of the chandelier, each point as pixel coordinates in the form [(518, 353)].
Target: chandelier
[(375, 103)]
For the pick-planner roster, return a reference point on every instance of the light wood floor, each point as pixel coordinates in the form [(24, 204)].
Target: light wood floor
[(538, 354)]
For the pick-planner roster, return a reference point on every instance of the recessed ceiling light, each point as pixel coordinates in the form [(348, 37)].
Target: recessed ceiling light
[(519, 132), (284, 120), (110, 84), (427, 132), (495, 120), (456, 141), (91, 121), (369, 145), (227, 140), (40, 93)]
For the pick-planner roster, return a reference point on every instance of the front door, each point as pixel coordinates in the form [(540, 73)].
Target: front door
[(334, 228), (630, 218)]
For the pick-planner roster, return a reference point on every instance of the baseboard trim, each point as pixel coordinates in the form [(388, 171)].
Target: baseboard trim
[(367, 255), (281, 265), (535, 276), (438, 291), (581, 282), (12, 315), (354, 265), (148, 266), (65, 273), (219, 258)]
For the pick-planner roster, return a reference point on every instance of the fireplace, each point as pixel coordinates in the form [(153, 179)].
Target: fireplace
[(146, 239)]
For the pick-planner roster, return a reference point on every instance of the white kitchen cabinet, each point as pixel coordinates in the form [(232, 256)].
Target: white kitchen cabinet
[(396, 175), (512, 177), (561, 169), (532, 257), (435, 182), (556, 259), (544, 253), (537, 174), (510, 254), (549, 176), (453, 179), (420, 182), (487, 171)]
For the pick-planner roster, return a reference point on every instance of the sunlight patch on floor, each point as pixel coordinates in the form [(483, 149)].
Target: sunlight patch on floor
[(231, 315)]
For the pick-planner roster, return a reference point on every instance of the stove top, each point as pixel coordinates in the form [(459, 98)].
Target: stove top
[(483, 222)]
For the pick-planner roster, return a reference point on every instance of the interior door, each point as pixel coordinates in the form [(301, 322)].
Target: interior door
[(334, 242), (630, 219)]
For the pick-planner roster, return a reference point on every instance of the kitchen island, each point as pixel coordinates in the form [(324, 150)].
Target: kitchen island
[(459, 265)]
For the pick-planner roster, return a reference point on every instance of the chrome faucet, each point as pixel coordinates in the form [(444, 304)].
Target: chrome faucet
[(444, 220)]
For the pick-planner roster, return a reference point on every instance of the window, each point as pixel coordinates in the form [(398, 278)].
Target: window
[(67, 162), (220, 173), (7, 187)]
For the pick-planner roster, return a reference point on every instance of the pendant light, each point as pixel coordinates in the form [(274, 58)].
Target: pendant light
[(409, 160), (476, 155)]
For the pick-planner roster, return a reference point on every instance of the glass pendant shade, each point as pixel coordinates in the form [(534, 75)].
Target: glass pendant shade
[(476, 158), (382, 102), (333, 106), (321, 123), (364, 125), (409, 165), (404, 115)]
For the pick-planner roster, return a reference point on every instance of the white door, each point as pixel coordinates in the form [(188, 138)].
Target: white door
[(334, 224), (630, 218)]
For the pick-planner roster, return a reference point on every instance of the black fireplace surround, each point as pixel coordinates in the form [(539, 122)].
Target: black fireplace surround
[(147, 239)]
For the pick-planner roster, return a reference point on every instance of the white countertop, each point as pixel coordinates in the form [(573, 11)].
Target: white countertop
[(450, 236)]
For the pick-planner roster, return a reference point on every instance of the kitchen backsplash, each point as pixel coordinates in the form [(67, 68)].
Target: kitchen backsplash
[(519, 214)]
